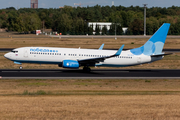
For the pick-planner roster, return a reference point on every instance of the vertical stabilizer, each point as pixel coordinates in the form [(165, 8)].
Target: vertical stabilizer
[(155, 44)]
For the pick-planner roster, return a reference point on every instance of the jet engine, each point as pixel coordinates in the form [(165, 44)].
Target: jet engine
[(70, 64)]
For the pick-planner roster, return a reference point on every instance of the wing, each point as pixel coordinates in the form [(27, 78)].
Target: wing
[(93, 61)]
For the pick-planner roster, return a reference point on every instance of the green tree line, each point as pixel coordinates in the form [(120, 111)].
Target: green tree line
[(71, 20)]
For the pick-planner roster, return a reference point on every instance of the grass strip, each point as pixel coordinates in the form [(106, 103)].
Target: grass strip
[(92, 92)]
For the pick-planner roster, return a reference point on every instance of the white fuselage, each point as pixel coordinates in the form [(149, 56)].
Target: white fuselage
[(52, 55)]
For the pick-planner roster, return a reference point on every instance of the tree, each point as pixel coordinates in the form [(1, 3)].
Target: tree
[(90, 30), (85, 28), (79, 30), (112, 29), (64, 23), (12, 15), (149, 28), (175, 28), (27, 22), (10, 8), (137, 27), (72, 30), (105, 11), (119, 30), (97, 14), (104, 30), (3, 19), (97, 30), (70, 20), (89, 15)]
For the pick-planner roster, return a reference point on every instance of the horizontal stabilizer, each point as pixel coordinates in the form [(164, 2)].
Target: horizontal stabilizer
[(161, 54)]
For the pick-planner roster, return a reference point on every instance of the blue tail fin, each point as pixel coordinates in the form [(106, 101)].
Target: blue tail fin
[(155, 44)]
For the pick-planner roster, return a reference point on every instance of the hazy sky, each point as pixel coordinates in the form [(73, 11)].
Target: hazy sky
[(57, 3)]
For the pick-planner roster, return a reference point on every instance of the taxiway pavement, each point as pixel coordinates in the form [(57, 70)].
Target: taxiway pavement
[(94, 74)]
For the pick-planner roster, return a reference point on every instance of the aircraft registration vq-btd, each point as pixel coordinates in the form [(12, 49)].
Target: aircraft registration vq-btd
[(74, 58)]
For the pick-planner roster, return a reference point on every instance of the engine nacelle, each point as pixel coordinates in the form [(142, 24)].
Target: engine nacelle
[(70, 64)]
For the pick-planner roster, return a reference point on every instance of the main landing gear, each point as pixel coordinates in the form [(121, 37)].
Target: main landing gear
[(86, 69)]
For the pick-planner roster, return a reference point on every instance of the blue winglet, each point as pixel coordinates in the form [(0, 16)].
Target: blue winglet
[(119, 51), (101, 47)]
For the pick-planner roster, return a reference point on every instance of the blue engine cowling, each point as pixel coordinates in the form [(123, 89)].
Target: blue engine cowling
[(70, 64)]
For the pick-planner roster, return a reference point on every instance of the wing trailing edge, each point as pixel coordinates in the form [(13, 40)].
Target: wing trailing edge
[(100, 59)]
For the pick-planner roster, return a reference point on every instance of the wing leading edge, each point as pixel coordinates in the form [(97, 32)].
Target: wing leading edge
[(92, 61)]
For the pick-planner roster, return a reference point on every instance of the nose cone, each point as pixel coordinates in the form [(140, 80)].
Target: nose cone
[(6, 55)]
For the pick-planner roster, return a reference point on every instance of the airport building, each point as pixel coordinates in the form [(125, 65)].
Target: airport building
[(102, 24)]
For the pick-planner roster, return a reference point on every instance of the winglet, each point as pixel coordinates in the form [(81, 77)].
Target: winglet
[(119, 51), (101, 47)]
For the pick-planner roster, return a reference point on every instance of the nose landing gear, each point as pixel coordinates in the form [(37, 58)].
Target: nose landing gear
[(19, 64)]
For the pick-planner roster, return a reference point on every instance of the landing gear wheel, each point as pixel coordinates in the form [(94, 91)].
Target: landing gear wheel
[(86, 69), (20, 67)]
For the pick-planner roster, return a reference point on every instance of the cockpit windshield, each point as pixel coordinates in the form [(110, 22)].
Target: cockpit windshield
[(13, 51)]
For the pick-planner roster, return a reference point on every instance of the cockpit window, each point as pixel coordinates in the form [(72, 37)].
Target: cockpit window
[(13, 51)]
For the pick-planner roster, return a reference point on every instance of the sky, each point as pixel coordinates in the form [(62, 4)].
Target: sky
[(60, 3)]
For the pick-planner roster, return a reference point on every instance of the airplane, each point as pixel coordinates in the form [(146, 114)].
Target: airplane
[(76, 57)]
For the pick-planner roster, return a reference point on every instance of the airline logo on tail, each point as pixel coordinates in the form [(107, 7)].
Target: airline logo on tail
[(155, 44)]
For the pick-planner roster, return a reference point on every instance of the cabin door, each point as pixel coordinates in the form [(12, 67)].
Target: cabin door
[(139, 60), (25, 52)]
